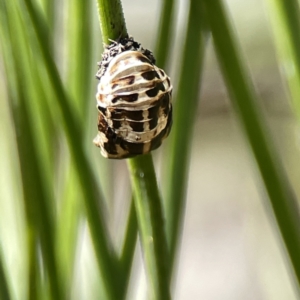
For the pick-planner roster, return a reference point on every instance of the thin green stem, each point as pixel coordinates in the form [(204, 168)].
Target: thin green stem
[(79, 58), (68, 224), (106, 258), (185, 111), (281, 196), (285, 15), (31, 232), (112, 20), (79, 65), (4, 289), (129, 238), (37, 194), (163, 42), (145, 190), (151, 224), (33, 287), (49, 7), (129, 244)]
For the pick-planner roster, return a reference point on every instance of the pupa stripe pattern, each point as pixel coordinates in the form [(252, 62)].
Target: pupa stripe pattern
[(133, 100)]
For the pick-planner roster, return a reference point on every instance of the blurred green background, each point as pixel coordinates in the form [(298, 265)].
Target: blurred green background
[(230, 244)]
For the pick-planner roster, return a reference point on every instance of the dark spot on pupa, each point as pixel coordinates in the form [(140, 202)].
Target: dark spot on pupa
[(153, 123), (136, 115), (153, 92), (166, 110), (164, 101), (156, 142), (129, 80), (133, 148), (150, 75), (116, 124), (102, 124), (127, 98), (126, 80), (137, 126), (153, 111), (142, 59), (168, 81), (102, 110)]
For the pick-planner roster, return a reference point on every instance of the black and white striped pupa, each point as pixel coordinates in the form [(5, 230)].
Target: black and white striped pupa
[(134, 100)]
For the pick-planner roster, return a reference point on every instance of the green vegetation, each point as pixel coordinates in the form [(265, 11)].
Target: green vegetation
[(63, 190)]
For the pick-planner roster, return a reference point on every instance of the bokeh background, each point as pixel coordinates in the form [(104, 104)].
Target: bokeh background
[(230, 248)]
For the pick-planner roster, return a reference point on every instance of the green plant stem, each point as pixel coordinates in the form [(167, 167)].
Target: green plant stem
[(162, 49), (49, 7), (151, 224), (33, 287), (79, 58), (32, 220), (4, 289), (79, 62), (185, 111), (106, 258), (112, 20), (68, 225), (285, 15), (36, 193), (130, 234), (145, 190), (280, 193), (129, 244)]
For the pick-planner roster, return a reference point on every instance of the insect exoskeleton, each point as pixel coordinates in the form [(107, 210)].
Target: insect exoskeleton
[(133, 100)]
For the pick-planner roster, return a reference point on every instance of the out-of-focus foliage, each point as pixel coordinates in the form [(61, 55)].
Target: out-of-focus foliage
[(68, 227)]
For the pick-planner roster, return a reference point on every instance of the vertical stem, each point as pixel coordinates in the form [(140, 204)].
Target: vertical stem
[(145, 189), (33, 287), (282, 200), (151, 224), (37, 195), (4, 290), (165, 33), (285, 15), (185, 111), (79, 56), (129, 243), (112, 20), (106, 257)]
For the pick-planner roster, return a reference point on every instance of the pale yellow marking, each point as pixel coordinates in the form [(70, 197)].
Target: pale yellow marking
[(146, 147)]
